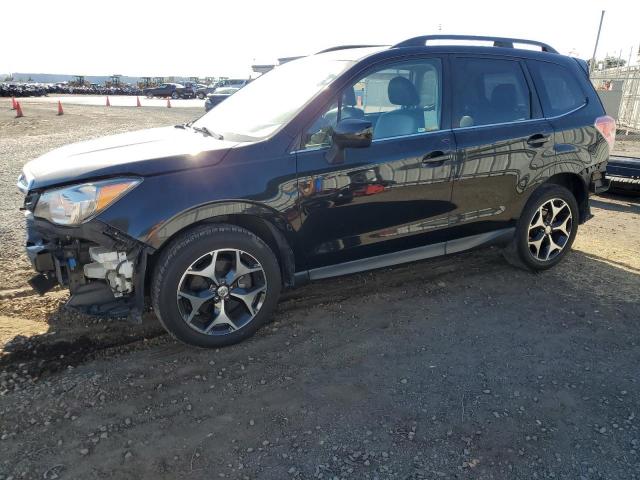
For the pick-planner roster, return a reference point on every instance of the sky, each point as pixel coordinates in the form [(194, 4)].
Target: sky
[(209, 38)]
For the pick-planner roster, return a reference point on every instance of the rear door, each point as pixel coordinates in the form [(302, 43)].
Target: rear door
[(502, 142), (393, 195), (564, 103)]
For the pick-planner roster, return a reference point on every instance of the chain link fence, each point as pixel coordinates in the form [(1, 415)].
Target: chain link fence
[(619, 89)]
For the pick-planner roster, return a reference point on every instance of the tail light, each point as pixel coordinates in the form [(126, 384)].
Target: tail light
[(607, 127)]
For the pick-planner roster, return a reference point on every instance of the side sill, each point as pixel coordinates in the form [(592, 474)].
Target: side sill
[(495, 237), (501, 236), (380, 261)]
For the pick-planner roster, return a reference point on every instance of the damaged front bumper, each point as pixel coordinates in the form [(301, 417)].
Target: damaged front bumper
[(103, 268)]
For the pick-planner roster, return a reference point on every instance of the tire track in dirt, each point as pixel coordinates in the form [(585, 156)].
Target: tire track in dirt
[(46, 354)]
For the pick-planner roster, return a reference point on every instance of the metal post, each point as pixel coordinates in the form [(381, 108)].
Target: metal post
[(595, 48)]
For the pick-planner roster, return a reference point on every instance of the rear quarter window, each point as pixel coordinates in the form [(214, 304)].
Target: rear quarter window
[(559, 90)]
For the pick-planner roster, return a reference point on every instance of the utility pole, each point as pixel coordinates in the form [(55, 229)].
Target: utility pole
[(595, 48)]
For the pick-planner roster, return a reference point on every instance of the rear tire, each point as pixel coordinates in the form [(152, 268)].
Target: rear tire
[(546, 229), (215, 285), (175, 95)]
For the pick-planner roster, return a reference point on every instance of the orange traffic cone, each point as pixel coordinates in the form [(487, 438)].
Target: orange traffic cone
[(138, 102), (13, 103), (108, 102), (60, 111), (168, 103), (18, 110)]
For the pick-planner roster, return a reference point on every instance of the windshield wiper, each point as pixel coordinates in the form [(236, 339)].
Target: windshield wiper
[(205, 131)]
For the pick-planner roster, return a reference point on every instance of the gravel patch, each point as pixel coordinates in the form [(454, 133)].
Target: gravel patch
[(457, 367)]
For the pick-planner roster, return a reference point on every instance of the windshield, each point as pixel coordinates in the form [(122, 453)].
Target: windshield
[(269, 102)]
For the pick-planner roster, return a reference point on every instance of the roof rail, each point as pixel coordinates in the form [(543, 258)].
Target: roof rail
[(345, 47), (497, 41)]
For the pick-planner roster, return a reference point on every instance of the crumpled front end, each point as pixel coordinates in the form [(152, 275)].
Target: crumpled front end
[(102, 268)]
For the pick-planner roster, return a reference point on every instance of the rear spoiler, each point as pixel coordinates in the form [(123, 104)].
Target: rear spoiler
[(583, 64)]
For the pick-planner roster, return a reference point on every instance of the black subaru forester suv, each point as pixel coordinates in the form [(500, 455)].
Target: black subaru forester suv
[(354, 158)]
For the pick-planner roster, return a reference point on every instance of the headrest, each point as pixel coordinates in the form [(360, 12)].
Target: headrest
[(402, 92), (349, 97)]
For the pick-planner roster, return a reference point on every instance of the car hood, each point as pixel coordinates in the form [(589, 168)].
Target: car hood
[(145, 152)]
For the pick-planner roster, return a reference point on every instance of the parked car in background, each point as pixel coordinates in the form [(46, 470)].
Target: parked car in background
[(173, 90), (624, 174), (379, 156), (233, 82), (11, 89), (204, 90), (191, 88), (219, 96)]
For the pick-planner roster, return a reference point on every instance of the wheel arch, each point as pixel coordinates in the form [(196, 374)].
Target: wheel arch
[(265, 223), (576, 184)]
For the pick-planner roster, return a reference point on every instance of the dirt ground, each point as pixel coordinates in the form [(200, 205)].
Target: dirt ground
[(458, 367)]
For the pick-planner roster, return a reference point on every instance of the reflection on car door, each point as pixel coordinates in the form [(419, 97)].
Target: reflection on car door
[(392, 196), (502, 143)]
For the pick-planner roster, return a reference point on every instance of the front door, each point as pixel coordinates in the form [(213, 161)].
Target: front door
[(391, 196)]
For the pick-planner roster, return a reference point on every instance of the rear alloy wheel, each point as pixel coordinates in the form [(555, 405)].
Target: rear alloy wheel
[(546, 229), (215, 285), (175, 95), (550, 229)]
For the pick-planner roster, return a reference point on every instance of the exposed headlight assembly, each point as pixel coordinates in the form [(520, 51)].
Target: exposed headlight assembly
[(78, 203)]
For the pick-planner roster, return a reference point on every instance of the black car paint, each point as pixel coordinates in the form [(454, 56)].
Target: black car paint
[(382, 201), (624, 174), (626, 167), (144, 153)]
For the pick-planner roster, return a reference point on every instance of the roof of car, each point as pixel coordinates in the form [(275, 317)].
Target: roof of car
[(352, 53), (479, 45)]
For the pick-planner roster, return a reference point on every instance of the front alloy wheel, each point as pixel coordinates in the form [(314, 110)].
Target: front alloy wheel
[(221, 292), (215, 285)]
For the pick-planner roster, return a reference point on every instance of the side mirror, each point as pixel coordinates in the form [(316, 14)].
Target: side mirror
[(353, 133), (349, 133)]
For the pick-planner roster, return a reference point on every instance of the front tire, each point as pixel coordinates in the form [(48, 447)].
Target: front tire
[(546, 229), (215, 285), (175, 95)]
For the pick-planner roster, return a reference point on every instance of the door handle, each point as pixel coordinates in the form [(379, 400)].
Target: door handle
[(538, 140), (437, 158)]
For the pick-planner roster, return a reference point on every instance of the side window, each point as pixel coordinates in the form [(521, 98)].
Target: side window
[(559, 91), (401, 99), (488, 91), (318, 135)]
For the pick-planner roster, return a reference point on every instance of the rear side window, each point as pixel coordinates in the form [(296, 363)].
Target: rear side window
[(489, 91), (558, 89)]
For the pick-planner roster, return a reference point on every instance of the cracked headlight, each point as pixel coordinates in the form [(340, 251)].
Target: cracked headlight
[(77, 203)]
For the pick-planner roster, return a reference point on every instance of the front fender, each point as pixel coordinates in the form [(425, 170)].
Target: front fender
[(160, 234)]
